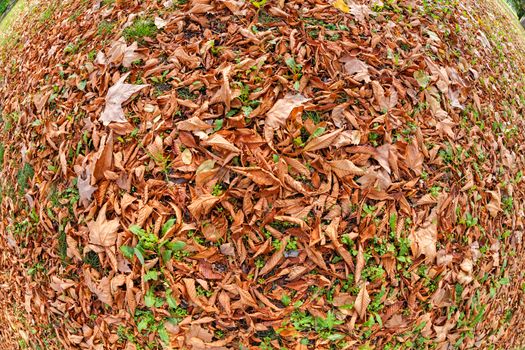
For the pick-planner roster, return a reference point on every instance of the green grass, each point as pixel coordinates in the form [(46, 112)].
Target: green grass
[(141, 28), (7, 23), (3, 6)]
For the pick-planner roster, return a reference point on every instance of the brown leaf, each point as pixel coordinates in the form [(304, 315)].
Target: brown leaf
[(345, 167), (220, 142), (362, 301), (193, 124), (275, 258), (202, 205), (494, 206), (120, 52), (357, 68), (102, 289), (102, 233), (414, 158), (259, 176), (424, 239), (117, 95), (282, 109), (85, 190), (322, 141), (227, 249)]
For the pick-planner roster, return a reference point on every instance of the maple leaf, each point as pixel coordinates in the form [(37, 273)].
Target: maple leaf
[(360, 12), (85, 190), (102, 233), (117, 95), (120, 52), (102, 289)]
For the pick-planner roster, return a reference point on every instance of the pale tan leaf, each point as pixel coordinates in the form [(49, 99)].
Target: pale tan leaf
[(360, 12), (414, 158), (119, 52), (357, 68), (379, 95), (102, 233), (117, 95), (102, 289), (85, 190), (160, 23), (193, 124), (186, 156)]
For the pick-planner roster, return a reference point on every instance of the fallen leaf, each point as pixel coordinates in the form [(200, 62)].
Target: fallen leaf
[(344, 167), (494, 206), (362, 301), (341, 5), (102, 289), (424, 239), (322, 141), (102, 233), (202, 205), (360, 12), (422, 78), (85, 190), (117, 95), (160, 23), (282, 109)]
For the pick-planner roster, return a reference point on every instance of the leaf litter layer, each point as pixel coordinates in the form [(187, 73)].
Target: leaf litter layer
[(264, 174)]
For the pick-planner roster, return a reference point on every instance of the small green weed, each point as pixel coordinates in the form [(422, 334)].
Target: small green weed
[(140, 29)]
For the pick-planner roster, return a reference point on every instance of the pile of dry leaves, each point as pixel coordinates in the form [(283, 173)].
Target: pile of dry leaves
[(269, 174)]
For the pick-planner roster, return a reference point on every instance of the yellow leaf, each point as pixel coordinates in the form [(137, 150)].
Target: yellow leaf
[(341, 5)]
